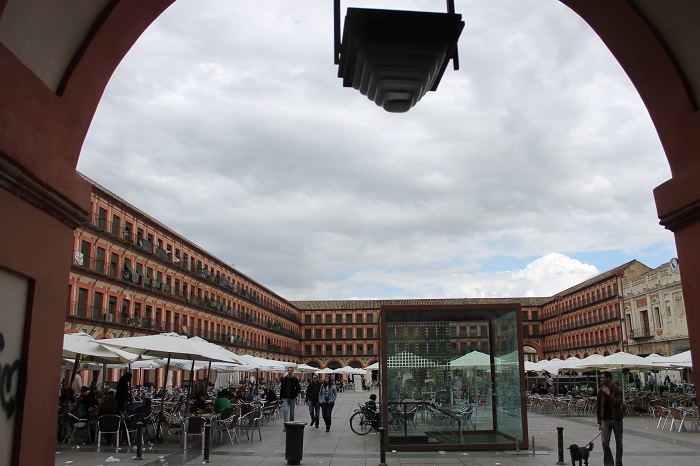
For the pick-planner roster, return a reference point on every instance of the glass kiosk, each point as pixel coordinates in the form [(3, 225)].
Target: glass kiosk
[(452, 377)]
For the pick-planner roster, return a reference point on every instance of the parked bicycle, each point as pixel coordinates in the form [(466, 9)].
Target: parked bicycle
[(364, 420)]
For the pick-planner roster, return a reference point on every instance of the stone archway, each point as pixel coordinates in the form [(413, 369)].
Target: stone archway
[(45, 114)]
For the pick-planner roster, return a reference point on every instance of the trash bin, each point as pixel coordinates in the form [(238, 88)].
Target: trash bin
[(295, 441)]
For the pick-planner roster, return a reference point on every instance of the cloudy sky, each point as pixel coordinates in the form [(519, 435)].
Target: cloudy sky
[(529, 170)]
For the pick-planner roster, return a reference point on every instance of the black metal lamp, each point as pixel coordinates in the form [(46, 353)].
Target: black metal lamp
[(394, 57)]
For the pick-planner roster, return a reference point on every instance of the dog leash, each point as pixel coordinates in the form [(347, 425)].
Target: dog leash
[(594, 438)]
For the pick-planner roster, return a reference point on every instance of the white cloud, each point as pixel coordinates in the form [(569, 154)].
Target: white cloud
[(227, 122)]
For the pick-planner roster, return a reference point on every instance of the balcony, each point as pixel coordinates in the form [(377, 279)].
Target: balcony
[(641, 333)]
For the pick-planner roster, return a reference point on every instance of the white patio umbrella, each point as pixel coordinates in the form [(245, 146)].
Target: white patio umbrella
[(204, 345), (81, 347), (346, 370), (165, 345), (619, 360), (557, 365), (474, 360), (268, 365), (304, 368), (326, 370), (530, 366), (373, 367), (680, 360), (228, 367), (581, 364)]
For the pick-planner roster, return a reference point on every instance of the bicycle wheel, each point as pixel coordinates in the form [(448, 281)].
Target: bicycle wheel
[(359, 424)]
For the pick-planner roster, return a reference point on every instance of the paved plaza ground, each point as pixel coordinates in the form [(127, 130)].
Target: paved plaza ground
[(644, 446)]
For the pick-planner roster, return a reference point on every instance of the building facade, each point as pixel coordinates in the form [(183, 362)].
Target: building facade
[(655, 314), (586, 319), (131, 275)]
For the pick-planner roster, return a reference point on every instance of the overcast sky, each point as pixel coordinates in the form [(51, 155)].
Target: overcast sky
[(530, 169)]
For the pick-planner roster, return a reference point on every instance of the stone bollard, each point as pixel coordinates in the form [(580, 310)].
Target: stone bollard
[(560, 443), (382, 447), (139, 441), (207, 441)]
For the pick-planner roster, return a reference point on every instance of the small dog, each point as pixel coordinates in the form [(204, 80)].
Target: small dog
[(580, 454)]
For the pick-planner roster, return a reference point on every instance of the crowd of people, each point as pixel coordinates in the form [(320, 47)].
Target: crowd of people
[(319, 393)]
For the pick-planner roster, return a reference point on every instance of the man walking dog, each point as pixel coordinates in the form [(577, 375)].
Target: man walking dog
[(610, 412)]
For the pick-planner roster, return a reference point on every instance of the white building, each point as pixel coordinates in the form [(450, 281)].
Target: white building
[(655, 315)]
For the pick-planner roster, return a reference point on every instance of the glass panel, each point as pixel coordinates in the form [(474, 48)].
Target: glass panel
[(507, 388), (441, 392)]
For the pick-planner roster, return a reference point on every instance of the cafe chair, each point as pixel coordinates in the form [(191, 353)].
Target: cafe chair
[(108, 424)]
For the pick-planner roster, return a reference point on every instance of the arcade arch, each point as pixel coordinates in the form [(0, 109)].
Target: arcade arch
[(44, 120)]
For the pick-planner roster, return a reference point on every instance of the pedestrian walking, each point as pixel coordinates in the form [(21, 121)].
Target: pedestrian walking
[(289, 390), (326, 398), (312, 392)]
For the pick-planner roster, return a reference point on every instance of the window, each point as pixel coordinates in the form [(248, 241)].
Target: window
[(338, 349), (307, 319), (657, 317), (329, 334), (318, 349), (370, 319), (100, 260), (81, 310), (359, 318), (127, 231), (348, 333), (318, 334), (370, 333), (307, 350), (339, 318), (307, 334), (329, 319), (318, 318), (360, 333), (101, 218), (115, 225), (329, 350), (348, 318), (348, 349), (97, 306), (370, 349), (338, 334)]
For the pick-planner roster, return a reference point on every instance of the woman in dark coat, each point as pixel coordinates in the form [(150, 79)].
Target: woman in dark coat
[(123, 391)]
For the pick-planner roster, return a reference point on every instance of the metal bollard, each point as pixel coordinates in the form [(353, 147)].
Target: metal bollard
[(139, 441), (517, 445), (382, 447), (207, 438), (560, 443), (533, 445)]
